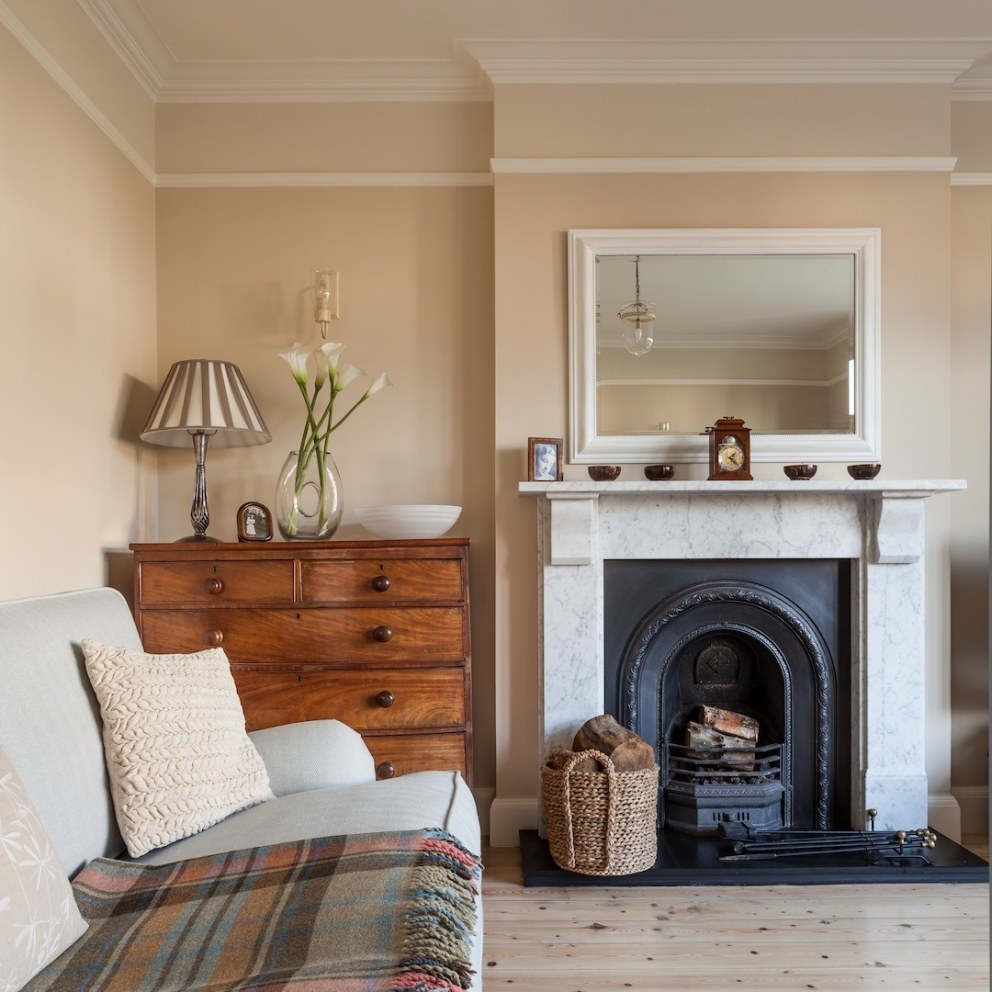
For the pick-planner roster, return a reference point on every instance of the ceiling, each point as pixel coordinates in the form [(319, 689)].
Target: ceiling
[(193, 50)]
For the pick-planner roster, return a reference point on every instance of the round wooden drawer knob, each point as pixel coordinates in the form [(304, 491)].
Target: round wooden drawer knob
[(382, 633), (385, 699), (381, 583), (214, 638), (385, 770), (214, 586)]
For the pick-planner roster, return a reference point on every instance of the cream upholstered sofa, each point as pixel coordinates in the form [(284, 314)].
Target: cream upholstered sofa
[(321, 774)]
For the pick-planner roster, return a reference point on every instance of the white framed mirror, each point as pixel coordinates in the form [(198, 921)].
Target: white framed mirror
[(777, 326)]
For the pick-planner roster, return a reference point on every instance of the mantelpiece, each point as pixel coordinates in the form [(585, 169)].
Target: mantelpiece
[(878, 525)]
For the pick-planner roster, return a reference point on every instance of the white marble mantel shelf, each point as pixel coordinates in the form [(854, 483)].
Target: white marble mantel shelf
[(893, 517), (880, 487)]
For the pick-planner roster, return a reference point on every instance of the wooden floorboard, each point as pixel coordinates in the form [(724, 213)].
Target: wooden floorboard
[(832, 938)]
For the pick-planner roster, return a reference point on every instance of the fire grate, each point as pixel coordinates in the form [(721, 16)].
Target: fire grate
[(708, 786)]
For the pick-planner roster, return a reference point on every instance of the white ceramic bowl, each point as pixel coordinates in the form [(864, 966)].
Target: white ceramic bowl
[(407, 521)]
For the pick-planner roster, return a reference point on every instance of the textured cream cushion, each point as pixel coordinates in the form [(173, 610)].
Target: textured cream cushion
[(38, 915), (178, 756)]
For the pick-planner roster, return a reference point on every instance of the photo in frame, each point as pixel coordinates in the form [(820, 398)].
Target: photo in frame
[(544, 459), (254, 522)]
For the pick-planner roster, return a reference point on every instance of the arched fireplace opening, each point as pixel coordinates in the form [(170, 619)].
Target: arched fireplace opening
[(767, 641)]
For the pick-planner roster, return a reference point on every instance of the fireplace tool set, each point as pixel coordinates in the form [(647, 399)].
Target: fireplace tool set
[(895, 845)]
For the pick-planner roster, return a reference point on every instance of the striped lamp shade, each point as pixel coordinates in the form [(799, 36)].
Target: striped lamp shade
[(205, 396)]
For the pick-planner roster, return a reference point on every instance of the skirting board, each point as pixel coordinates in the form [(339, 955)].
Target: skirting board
[(507, 817), (974, 803)]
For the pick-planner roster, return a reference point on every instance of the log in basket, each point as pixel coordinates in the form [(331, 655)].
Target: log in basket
[(601, 822)]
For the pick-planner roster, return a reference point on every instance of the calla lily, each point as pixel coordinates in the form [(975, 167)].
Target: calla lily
[(317, 429), (345, 376), (296, 359), (381, 381)]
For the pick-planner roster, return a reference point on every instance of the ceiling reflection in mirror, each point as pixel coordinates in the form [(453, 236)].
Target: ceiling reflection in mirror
[(769, 338)]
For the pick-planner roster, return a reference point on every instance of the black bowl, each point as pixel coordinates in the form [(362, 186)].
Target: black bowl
[(799, 472), (863, 471), (659, 473), (603, 473)]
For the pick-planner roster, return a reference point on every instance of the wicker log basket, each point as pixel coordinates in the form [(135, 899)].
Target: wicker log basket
[(601, 822)]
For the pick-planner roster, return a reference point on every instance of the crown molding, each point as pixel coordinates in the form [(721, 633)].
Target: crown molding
[(47, 62), (971, 179), (585, 166), (569, 61), (972, 88), (134, 41), (476, 64), (167, 80), (276, 180)]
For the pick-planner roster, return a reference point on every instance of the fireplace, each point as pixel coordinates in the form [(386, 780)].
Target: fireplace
[(766, 639), (866, 676)]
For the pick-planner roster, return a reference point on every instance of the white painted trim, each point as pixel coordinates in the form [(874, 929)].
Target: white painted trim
[(815, 163), (136, 55), (974, 803), (41, 55), (256, 180), (507, 817), (944, 814), (971, 178), (975, 88), (778, 60)]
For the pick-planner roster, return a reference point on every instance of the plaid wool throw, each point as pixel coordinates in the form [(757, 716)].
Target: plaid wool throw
[(384, 912)]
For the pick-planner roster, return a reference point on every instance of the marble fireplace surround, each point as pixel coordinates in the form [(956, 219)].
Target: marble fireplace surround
[(879, 525)]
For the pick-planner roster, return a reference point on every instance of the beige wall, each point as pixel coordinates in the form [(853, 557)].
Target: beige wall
[(969, 547), (757, 120), (73, 51), (416, 301), (319, 137), (77, 281)]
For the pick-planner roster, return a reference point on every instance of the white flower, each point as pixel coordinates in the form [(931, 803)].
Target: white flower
[(296, 359), (380, 381), (345, 376)]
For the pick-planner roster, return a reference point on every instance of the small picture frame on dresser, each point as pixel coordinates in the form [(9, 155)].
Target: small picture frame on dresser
[(544, 459), (254, 522)]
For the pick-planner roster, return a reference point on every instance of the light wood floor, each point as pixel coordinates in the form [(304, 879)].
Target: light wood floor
[(832, 938)]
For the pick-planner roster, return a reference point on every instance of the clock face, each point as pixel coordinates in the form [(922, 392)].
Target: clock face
[(730, 455)]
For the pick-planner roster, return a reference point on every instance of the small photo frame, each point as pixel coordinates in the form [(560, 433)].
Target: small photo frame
[(544, 462), (254, 522)]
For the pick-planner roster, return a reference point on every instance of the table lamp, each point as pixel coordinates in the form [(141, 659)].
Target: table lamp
[(200, 400)]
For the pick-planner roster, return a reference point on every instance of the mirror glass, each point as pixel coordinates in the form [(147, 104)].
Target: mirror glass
[(671, 330)]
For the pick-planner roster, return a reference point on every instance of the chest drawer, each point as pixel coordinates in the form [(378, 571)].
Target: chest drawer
[(373, 700), (162, 583), (418, 753), (300, 637), (362, 581)]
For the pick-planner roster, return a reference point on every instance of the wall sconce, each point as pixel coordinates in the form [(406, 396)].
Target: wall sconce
[(638, 330), (199, 400), (325, 298)]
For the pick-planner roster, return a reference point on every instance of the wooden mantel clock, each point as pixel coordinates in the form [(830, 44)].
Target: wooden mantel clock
[(730, 450)]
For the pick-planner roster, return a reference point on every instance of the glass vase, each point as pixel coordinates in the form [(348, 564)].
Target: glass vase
[(308, 498)]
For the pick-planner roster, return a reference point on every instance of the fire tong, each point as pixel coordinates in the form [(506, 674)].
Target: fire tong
[(886, 845)]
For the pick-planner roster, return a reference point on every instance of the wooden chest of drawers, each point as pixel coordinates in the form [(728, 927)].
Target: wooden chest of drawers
[(372, 633)]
